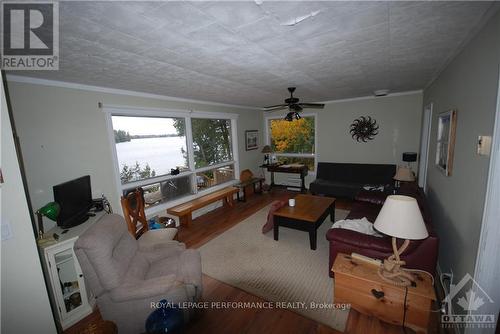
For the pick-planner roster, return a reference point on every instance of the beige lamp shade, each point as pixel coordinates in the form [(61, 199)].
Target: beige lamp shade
[(266, 149), (404, 174), (400, 217)]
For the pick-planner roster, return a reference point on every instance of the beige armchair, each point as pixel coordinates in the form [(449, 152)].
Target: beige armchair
[(126, 279)]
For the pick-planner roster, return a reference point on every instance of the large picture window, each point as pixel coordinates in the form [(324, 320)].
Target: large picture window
[(293, 142), (148, 148), (211, 141)]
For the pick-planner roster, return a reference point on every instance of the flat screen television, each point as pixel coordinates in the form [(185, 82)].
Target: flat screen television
[(75, 200)]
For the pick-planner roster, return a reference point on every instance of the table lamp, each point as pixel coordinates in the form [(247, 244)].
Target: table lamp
[(403, 173), (400, 217), (266, 150), (409, 157), (50, 210)]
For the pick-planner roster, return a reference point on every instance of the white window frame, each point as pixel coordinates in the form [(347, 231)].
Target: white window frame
[(113, 110), (295, 155)]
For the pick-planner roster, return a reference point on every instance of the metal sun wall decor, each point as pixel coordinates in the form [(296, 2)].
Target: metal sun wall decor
[(364, 128)]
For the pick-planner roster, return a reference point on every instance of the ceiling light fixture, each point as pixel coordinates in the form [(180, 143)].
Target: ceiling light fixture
[(292, 115)]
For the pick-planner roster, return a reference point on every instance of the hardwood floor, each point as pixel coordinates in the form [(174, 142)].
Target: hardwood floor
[(249, 321)]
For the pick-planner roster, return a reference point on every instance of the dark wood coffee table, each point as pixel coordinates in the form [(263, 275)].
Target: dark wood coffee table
[(307, 215)]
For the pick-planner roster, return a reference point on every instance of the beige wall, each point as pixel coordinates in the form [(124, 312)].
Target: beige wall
[(63, 136), (24, 300), (469, 85), (398, 117)]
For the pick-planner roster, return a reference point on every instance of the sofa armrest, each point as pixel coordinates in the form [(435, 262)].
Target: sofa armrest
[(144, 289), (359, 240), (374, 197)]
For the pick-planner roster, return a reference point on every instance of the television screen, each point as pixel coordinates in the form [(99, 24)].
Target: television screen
[(75, 200)]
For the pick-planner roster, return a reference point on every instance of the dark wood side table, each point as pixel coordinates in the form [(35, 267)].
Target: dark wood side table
[(279, 168), (307, 215)]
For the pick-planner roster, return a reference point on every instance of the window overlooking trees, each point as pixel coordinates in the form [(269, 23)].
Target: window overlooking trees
[(148, 148), (211, 140), (293, 142)]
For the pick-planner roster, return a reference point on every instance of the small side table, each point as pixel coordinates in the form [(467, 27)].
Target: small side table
[(357, 283), (251, 182)]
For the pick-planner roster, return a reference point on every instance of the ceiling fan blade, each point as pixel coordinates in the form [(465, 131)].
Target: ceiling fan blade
[(276, 107), (312, 105)]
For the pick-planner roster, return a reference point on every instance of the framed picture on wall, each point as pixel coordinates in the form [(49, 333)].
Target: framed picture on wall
[(251, 139), (446, 132)]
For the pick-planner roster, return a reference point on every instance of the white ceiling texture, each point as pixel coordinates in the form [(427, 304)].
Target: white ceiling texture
[(247, 53)]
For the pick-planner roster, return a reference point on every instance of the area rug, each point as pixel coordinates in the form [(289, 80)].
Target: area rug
[(277, 271)]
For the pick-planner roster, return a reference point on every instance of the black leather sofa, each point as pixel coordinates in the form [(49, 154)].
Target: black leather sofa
[(347, 179)]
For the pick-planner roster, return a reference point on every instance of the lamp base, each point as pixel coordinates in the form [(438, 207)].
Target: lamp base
[(391, 270)]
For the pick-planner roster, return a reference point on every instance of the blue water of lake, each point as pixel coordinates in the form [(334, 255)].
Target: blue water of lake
[(161, 154)]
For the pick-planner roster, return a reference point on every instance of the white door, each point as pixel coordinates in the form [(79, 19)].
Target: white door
[(425, 137)]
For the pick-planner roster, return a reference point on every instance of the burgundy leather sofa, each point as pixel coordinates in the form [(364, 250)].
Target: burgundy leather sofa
[(420, 254)]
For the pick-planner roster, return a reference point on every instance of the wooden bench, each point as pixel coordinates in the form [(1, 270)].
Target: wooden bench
[(184, 211), (250, 182)]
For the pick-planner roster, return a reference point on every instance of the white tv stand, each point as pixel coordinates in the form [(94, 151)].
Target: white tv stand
[(72, 302)]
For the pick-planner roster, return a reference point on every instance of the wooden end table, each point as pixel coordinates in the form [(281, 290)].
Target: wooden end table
[(307, 215), (358, 284)]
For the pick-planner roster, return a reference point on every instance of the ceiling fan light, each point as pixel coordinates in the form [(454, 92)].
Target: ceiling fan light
[(289, 116), (297, 116)]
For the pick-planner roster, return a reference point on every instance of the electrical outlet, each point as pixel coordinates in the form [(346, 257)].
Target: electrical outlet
[(447, 281)]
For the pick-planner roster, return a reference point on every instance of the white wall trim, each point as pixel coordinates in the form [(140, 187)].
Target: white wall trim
[(487, 269), (162, 112), (65, 84), (371, 97), (423, 163)]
